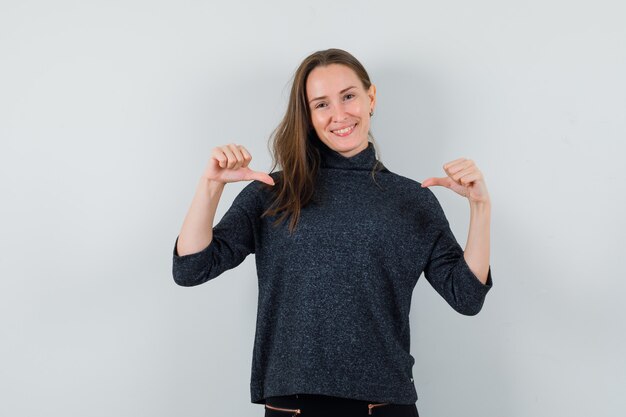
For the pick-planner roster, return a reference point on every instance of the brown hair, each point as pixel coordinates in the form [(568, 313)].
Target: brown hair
[(295, 143)]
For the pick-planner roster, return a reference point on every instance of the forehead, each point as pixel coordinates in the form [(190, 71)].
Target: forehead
[(330, 79)]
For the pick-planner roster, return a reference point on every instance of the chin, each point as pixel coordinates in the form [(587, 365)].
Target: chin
[(347, 145)]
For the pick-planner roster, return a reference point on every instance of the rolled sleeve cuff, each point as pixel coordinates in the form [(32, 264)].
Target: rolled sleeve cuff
[(472, 292), (191, 269)]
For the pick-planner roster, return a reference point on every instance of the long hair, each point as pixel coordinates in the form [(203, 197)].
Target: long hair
[(295, 142)]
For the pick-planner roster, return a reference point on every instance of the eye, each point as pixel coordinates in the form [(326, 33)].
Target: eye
[(349, 96), (320, 105)]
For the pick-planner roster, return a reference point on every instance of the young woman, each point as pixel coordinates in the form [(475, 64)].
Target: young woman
[(339, 242)]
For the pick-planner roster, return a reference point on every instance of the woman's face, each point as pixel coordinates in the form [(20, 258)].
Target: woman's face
[(340, 108)]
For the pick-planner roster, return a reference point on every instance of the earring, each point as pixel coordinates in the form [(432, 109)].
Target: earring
[(371, 113)]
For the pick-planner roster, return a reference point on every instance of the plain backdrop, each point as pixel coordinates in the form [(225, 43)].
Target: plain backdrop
[(110, 109)]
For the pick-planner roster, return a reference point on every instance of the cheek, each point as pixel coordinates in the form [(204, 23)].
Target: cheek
[(318, 121), (357, 107)]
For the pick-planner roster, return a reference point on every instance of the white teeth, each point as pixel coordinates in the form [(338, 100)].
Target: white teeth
[(344, 130)]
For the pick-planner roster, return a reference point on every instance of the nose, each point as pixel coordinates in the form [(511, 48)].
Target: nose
[(339, 114)]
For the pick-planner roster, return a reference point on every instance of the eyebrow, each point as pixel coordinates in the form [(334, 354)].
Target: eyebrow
[(341, 92)]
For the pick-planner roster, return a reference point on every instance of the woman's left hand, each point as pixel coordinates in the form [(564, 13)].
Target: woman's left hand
[(464, 178)]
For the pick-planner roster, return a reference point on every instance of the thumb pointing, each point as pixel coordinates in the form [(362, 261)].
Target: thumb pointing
[(263, 177), (443, 182)]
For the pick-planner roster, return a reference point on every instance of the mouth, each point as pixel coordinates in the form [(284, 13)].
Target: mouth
[(345, 131)]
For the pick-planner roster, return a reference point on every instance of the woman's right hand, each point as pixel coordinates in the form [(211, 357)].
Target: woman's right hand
[(229, 163)]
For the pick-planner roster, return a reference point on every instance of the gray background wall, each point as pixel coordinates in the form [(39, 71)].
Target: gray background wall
[(109, 111)]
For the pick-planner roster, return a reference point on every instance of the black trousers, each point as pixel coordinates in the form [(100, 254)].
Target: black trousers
[(312, 405)]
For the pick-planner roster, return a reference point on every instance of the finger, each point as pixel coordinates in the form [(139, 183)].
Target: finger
[(471, 178), (221, 158), (434, 181), (237, 152), (232, 159), (461, 165), (457, 177), (246, 156), (451, 163), (262, 176)]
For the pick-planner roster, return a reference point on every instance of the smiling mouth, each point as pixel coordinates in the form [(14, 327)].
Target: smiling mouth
[(345, 131)]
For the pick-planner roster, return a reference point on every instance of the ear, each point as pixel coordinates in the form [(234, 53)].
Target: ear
[(371, 92)]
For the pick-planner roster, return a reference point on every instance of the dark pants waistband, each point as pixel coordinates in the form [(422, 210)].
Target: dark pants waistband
[(314, 405)]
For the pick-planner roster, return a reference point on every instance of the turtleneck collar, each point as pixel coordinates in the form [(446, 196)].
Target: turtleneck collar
[(363, 160)]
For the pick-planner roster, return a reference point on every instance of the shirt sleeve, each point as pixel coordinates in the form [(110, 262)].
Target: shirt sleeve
[(233, 240), (450, 275)]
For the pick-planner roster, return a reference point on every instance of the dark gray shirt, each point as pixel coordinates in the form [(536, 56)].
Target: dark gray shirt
[(334, 297)]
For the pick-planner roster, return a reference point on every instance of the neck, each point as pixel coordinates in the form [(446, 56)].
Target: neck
[(364, 159)]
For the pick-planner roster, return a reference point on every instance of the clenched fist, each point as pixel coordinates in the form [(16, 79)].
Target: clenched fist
[(464, 178), (229, 163)]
